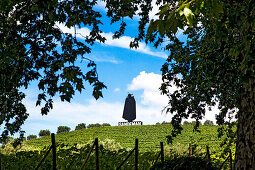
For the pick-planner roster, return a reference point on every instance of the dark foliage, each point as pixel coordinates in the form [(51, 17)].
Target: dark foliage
[(30, 137), (63, 129), (80, 126), (44, 133), (33, 47), (106, 124), (208, 123), (93, 125)]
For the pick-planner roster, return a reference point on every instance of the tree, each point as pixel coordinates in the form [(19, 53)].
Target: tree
[(30, 137), (186, 123), (93, 125), (9, 140), (34, 48), (208, 123), (44, 133), (80, 126), (63, 129), (165, 123), (106, 124), (214, 65)]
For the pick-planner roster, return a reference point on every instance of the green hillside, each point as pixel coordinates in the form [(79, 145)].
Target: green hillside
[(111, 154), (149, 136)]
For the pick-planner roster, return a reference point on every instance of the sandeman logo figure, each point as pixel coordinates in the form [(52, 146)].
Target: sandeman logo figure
[(129, 112)]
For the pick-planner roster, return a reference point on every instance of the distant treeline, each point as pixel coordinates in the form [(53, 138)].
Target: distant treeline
[(206, 123), (80, 126), (61, 129)]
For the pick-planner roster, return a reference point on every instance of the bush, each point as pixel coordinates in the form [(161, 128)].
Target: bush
[(30, 137), (63, 129), (110, 144), (44, 133), (8, 140), (185, 163), (165, 123), (93, 125), (106, 124), (208, 123), (194, 123), (157, 123), (80, 126), (186, 123)]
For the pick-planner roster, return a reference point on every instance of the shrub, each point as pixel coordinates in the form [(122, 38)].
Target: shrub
[(29, 137), (80, 126), (208, 123), (157, 123), (63, 129), (186, 123), (165, 123), (110, 144), (194, 123), (8, 140), (44, 133), (93, 125), (106, 124)]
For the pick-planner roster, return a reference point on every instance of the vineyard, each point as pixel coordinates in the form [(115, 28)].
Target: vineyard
[(115, 144), (149, 136)]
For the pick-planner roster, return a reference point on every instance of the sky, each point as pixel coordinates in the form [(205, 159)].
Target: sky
[(123, 70)]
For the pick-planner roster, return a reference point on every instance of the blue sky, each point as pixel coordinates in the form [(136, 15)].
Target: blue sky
[(123, 71)]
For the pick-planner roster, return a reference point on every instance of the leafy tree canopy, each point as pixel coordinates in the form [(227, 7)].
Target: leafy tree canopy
[(208, 123), (63, 129), (30, 137), (33, 47), (106, 124), (94, 125), (44, 133), (80, 126)]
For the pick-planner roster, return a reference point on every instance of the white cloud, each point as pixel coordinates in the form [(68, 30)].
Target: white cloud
[(80, 32), (122, 42), (152, 15), (155, 10), (91, 112), (103, 57), (101, 5), (150, 84), (71, 114)]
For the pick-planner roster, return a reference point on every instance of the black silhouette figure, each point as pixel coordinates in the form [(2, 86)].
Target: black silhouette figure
[(129, 112)]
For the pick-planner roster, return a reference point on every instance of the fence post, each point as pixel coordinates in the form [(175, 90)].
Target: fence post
[(230, 154), (54, 164), (136, 154), (97, 156), (162, 152), (207, 152)]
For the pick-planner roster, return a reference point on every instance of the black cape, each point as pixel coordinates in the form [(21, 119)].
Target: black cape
[(129, 112)]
